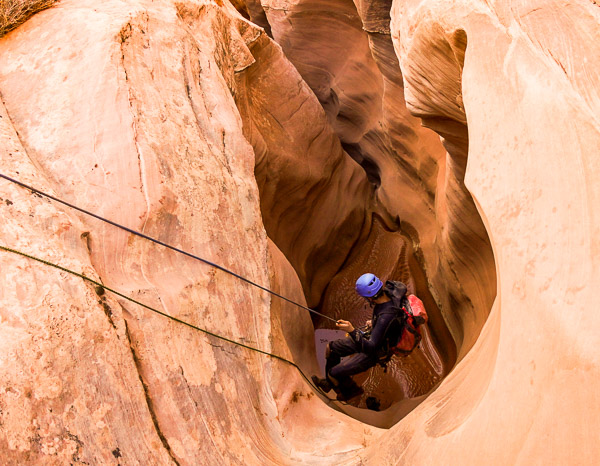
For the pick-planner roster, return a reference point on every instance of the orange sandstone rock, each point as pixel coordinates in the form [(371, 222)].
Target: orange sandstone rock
[(299, 164), (131, 116)]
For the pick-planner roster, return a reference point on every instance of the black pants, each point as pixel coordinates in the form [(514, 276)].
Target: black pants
[(339, 371)]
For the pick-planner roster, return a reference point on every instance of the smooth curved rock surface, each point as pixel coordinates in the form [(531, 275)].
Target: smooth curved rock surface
[(418, 193), (152, 140), (158, 115), (418, 190), (531, 172)]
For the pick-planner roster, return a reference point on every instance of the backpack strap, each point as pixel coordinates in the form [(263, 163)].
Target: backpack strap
[(413, 329), (400, 317)]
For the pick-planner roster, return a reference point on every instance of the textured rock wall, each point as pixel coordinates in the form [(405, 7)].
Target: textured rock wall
[(532, 168), (156, 114), (313, 196), (131, 116), (68, 374)]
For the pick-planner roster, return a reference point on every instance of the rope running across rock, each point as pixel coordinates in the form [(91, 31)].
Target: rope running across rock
[(142, 235), (154, 240), (168, 316)]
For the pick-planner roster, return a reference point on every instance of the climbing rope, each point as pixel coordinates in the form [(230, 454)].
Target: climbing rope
[(154, 240), (142, 235), (168, 316)]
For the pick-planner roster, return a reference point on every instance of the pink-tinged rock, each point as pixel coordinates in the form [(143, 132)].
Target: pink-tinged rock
[(528, 387), (185, 121), (130, 115), (70, 389)]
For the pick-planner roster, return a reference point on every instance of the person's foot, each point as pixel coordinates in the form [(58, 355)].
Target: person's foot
[(322, 384), (349, 393)]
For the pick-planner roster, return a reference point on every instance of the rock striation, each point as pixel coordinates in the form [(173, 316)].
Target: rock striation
[(144, 131), (451, 145)]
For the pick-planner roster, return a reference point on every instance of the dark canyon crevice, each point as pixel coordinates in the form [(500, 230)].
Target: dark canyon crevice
[(351, 180)]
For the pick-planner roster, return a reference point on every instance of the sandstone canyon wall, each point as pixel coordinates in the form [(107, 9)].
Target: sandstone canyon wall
[(285, 141), (144, 130)]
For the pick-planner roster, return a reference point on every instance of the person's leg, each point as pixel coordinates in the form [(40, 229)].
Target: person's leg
[(336, 350), (333, 353), (343, 371)]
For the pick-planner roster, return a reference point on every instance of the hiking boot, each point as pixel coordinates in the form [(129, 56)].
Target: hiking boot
[(322, 384), (349, 393)]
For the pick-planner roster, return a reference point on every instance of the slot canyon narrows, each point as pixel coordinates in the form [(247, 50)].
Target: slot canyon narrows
[(351, 182), (452, 145)]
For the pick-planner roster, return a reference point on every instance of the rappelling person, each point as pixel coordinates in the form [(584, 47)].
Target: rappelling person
[(393, 329)]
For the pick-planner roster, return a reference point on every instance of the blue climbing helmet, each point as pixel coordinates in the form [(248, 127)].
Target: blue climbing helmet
[(368, 285)]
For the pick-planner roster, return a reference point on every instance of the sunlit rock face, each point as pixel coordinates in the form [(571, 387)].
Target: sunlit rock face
[(530, 104), (300, 163), (131, 115)]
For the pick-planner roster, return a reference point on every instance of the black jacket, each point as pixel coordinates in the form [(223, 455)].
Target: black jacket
[(383, 315)]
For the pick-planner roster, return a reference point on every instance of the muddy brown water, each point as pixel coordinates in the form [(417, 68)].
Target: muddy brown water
[(390, 256)]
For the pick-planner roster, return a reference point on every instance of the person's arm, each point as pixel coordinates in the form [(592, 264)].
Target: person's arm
[(345, 326)]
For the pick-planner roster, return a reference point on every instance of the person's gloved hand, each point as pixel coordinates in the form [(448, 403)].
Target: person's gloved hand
[(345, 326)]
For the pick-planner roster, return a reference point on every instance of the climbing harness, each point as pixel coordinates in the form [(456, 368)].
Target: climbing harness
[(142, 235)]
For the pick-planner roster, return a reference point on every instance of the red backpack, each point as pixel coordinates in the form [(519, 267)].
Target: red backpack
[(411, 316)]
